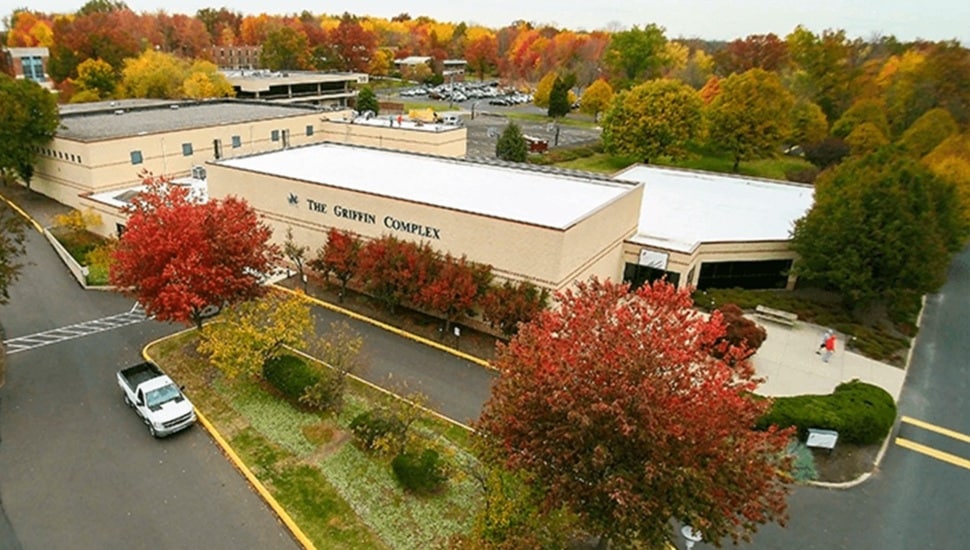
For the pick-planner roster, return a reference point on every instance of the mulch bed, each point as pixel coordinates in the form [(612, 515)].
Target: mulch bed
[(846, 462)]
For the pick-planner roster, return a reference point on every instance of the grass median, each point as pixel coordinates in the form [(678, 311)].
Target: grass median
[(340, 495)]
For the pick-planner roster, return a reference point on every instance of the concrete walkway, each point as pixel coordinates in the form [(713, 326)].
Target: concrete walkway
[(790, 366)]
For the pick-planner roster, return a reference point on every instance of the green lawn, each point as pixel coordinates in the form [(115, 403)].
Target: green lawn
[(341, 496), (775, 168)]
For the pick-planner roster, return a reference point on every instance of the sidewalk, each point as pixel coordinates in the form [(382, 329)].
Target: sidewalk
[(790, 366), (787, 359)]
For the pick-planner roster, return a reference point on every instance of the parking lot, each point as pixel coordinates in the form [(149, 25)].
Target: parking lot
[(490, 118)]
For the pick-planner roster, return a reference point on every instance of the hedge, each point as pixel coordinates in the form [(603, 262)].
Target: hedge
[(862, 413), (291, 375)]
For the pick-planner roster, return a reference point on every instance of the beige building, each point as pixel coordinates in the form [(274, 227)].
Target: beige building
[(713, 230), (308, 170), (547, 228)]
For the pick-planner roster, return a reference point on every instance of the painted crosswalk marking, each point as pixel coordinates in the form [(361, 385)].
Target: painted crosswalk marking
[(78, 330)]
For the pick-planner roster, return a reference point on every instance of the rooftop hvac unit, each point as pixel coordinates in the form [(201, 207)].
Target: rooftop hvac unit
[(198, 172)]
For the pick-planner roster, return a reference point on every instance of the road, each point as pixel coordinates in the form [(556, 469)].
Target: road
[(915, 500), (77, 468)]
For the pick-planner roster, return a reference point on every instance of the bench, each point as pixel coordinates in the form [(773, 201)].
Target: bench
[(776, 315)]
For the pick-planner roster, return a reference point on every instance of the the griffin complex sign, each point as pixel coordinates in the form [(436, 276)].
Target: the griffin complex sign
[(360, 216)]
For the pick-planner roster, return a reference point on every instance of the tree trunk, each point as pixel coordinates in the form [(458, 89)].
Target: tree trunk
[(737, 161)]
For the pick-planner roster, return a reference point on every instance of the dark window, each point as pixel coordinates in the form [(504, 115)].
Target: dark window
[(756, 275), (286, 138), (637, 275), (136, 157), (274, 135), (186, 149), (309, 130), (217, 148), (236, 142)]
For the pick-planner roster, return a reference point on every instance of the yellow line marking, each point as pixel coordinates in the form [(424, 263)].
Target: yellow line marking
[(234, 458), (934, 428), (24, 214), (388, 328), (931, 452)]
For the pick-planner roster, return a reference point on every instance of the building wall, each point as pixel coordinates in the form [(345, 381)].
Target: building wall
[(548, 257), (446, 141), (68, 168)]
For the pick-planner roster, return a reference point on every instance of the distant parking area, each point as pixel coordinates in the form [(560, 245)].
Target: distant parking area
[(491, 105)]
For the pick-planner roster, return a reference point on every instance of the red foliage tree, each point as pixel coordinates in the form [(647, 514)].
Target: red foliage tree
[(509, 304), (339, 256), (453, 289), (757, 51), (614, 407), (394, 271), (352, 45), (742, 336), (179, 258)]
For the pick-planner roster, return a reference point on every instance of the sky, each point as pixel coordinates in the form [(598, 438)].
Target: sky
[(707, 19)]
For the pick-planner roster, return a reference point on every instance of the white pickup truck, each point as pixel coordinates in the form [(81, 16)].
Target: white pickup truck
[(156, 399)]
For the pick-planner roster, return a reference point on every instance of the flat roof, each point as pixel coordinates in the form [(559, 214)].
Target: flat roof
[(125, 120), (498, 190), (684, 208), (263, 79)]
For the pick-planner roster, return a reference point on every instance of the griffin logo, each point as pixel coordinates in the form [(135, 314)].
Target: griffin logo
[(293, 199)]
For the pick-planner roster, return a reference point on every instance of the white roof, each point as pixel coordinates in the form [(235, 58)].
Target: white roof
[(544, 199), (682, 209)]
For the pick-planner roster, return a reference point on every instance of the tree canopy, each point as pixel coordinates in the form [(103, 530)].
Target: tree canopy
[(881, 223), (614, 407), (28, 120), (751, 115), (180, 259), (12, 234), (637, 54), (656, 118)]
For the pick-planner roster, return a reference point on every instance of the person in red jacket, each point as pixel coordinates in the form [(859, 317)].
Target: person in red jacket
[(829, 348)]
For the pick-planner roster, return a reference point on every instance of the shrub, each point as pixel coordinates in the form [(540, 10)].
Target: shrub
[(420, 474), (374, 428), (803, 462), (290, 375), (861, 413), (327, 394), (741, 332)]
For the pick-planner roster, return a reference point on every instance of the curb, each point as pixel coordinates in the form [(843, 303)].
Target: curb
[(23, 213), (261, 490), (389, 328)]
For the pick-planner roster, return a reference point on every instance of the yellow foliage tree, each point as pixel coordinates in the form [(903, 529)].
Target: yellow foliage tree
[(596, 98), (77, 221), (543, 89), (865, 138), (950, 161), (205, 80), (152, 75), (254, 332)]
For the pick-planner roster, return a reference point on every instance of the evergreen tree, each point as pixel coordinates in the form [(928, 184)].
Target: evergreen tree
[(559, 99), (511, 144), (367, 101)]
